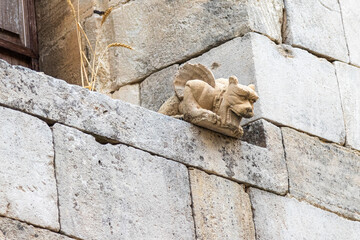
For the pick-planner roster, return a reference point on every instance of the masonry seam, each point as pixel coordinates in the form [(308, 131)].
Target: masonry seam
[(247, 189), (56, 180), (322, 207), (343, 26), (192, 203), (342, 107), (286, 162)]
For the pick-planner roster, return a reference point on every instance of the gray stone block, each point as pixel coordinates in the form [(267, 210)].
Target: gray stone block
[(316, 26), (222, 208), (14, 230), (349, 82), (294, 86), (323, 174), (119, 192), (144, 129), (27, 181), (283, 218)]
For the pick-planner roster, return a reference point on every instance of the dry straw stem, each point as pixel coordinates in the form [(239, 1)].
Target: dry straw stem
[(97, 60), (101, 57)]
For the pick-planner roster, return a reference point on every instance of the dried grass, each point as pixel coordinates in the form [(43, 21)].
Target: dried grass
[(97, 59)]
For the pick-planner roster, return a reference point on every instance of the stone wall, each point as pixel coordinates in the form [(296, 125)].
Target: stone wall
[(79, 165)]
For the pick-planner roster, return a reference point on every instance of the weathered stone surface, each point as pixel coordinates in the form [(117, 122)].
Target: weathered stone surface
[(288, 80), (15, 230), (157, 88), (323, 174), (350, 13), (176, 30), (222, 208), (118, 192), (316, 26), (27, 181), (128, 93), (147, 130), (349, 82), (285, 218), (58, 42)]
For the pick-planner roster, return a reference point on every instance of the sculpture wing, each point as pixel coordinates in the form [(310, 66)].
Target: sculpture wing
[(192, 72)]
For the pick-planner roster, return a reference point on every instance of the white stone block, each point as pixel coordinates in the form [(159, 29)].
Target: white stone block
[(296, 89), (323, 174), (222, 208), (316, 26), (349, 83), (27, 181), (283, 218), (119, 192), (350, 13)]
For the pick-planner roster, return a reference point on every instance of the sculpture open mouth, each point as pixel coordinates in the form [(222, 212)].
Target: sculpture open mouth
[(242, 113)]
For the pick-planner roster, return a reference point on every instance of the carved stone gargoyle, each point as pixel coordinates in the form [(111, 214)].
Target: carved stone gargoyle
[(218, 104)]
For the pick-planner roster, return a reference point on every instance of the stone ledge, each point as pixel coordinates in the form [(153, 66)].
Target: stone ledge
[(95, 113), (323, 174)]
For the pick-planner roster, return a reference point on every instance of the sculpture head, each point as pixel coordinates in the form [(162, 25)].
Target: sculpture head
[(241, 98)]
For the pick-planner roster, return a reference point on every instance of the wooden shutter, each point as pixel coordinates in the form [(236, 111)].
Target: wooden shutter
[(18, 37)]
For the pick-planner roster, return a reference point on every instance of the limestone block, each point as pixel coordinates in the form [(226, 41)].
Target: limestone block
[(15, 230), (222, 208), (128, 93), (294, 86), (176, 30), (316, 26), (27, 181), (119, 192), (58, 42), (323, 174), (144, 129), (349, 82), (62, 60), (157, 88), (350, 13), (285, 218)]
